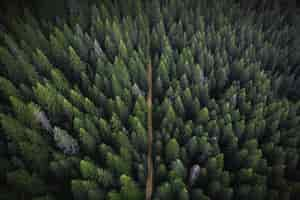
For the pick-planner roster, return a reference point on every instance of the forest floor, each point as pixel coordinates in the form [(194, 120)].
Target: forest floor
[(149, 183)]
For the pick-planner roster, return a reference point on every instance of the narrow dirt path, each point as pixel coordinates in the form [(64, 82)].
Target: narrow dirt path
[(149, 183)]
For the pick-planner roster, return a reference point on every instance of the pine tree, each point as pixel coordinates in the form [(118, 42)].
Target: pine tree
[(73, 110), (88, 141), (172, 150), (203, 115)]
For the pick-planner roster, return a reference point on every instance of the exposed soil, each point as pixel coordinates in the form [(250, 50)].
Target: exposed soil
[(149, 183)]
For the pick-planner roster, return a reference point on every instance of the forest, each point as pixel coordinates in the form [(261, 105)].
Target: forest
[(155, 100)]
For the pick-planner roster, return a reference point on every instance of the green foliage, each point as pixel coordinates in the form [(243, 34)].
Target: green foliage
[(88, 170), (25, 182), (88, 141), (225, 101), (203, 115), (129, 189), (172, 150), (117, 164), (83, 189)]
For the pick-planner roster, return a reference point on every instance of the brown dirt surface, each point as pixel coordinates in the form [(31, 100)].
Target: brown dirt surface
[(149, 183)]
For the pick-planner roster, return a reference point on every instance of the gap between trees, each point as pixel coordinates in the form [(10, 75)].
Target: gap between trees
[(149, 183)]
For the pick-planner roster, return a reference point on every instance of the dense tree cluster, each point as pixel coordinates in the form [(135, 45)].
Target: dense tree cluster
[(226, 109)]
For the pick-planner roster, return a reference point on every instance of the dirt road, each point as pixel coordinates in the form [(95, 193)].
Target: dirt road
[(149, 183)]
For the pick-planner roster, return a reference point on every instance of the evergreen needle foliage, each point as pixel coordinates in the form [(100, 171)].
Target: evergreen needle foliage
[(226, 103)]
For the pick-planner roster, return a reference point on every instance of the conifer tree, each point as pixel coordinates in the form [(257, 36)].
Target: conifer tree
[(73, 108)]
